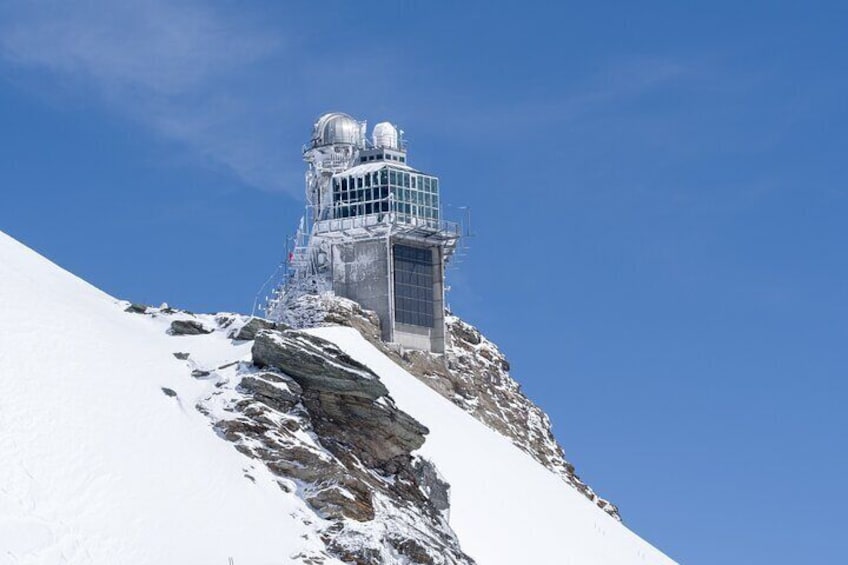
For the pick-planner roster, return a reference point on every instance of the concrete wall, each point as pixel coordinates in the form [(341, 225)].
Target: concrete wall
[(413, 337), (361, 273), (437, 336), (417, 337)]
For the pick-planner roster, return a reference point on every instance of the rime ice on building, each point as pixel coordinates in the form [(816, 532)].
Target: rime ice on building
[(372, 232)]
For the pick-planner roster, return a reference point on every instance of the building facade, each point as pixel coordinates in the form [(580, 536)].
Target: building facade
[(373, 231)]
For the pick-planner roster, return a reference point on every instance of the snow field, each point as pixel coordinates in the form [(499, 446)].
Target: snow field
[(505, 507), (97, 465)]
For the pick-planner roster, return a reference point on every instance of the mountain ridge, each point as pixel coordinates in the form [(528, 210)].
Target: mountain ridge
[(125, 412)]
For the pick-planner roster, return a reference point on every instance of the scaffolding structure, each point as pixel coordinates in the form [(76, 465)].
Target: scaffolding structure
[(359, 192)]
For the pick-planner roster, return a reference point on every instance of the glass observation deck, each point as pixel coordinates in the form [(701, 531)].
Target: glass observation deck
[(379, 188)]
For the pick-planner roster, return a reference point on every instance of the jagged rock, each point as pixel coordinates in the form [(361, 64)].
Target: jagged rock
[(327, 429), (473, 374), (188, 327), (136, 309), (233, 430), (379, 433), (336, 502), (281, 396), (360, 467), (412, 550), (340, 394), (327, 309), (467, 334), (253, 326), (299, 463), (226, 320), (432, 483), (315, 364), (355, 556)]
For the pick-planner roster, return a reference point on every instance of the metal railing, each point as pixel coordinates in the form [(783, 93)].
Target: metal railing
[(383, 220)]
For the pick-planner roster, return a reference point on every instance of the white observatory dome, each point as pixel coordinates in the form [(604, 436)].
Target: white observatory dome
[(385, 135), (335, 128)]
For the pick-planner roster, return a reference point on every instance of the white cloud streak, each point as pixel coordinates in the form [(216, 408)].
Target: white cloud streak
[(188, 72)]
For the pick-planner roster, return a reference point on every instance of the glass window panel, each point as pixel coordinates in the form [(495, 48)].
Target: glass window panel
[(413, 285)]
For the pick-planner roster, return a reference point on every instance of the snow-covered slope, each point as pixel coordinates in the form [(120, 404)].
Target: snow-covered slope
[(97, 465), (114, 450), (505, 507)]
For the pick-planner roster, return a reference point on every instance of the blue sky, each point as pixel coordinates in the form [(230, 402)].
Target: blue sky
[(658, 196)]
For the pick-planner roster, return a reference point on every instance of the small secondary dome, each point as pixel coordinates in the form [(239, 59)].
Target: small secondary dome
[(337, 128), (385, 135)]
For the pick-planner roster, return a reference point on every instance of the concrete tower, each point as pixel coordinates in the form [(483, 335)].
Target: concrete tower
[(373, 231)]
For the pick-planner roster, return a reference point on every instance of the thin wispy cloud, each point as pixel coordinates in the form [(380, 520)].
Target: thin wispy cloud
[(586, 98), (237, 91), (188, 72)]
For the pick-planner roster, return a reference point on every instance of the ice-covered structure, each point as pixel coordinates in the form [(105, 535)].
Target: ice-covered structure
[(372, 232)]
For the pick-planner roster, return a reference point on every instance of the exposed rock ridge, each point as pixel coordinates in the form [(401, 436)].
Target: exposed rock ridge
[(473, 374), (384, 505), (326, 426)]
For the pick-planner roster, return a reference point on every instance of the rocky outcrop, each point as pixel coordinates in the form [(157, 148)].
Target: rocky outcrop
[(326, 309), (316, 363), (342, 396), (325, 425), (253, 326), (136, 309), (473, 374), (327, 429), (188, 327), (359, 470)]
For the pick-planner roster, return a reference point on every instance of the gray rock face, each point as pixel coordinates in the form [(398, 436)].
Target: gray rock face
[(313, 310), (253, 326), (432, 483), (281, 395), (326, 427), (362, 469), (188, 327), (473, 374), (341, 393), (316, 364)]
